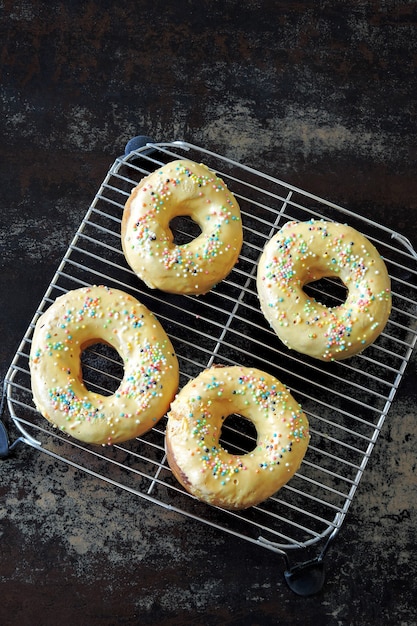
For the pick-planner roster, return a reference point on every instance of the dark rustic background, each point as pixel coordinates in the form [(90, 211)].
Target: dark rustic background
[(322, 94)]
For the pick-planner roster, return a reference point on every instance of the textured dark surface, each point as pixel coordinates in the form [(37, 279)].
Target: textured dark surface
[(321, 94)]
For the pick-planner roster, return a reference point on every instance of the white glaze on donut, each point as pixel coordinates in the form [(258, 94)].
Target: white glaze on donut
[(84, 317), (199, 461), (181, 188), (304, 252)]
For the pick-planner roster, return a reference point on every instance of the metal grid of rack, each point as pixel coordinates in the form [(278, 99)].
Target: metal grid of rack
[(346, 402)]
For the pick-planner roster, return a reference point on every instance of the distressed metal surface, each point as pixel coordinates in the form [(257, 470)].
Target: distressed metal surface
[(319, 94)]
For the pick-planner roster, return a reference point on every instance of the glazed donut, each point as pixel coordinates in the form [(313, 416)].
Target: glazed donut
[(303, 252), (181, 188), (200, 463), (92, 315)]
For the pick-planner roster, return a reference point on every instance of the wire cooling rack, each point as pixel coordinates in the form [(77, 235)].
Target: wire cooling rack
[(346, 402)]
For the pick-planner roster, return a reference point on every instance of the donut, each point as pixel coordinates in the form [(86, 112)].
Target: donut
[(181, 188), (304, 252), (204, 467), (97, 314)]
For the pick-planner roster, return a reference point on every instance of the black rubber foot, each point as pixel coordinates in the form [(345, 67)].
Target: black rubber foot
[(4, 442), (306, 579), (136, 143)]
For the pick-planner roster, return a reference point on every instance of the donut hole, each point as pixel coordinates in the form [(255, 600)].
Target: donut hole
[(184, 229), (330, 291), (238, 435), (102, 368)]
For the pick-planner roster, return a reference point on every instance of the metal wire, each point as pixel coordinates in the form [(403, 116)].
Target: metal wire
[(346, 402)]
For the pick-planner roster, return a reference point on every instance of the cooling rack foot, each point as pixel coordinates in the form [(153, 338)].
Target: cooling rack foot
[(4, 442), (137, 142), (5, 447), (307, 578)]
